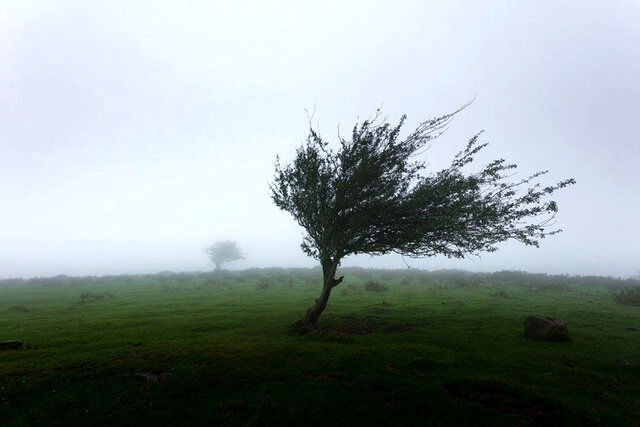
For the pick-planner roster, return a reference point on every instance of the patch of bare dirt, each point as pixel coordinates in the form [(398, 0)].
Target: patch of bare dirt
[(350, 325)]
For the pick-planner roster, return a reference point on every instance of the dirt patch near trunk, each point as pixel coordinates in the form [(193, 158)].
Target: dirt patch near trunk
[(360, 325), (350, 325)]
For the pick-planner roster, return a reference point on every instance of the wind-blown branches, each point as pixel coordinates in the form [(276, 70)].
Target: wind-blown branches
[(372, 195)]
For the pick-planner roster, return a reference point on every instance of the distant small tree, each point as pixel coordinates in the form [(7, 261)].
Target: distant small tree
[(370, 195), (223, 251)]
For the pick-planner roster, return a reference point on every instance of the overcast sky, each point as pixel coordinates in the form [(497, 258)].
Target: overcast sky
[(132, 134)]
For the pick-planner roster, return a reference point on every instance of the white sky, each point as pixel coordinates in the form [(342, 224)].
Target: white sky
[(132, 135)]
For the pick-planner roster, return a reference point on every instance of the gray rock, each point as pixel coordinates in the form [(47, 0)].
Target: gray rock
[(546, 328), (147, 376), (10, 345)]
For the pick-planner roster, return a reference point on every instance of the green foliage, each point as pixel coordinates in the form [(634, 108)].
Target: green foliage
[(372, 195)]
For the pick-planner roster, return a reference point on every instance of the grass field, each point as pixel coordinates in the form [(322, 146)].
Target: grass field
[(442, 349)]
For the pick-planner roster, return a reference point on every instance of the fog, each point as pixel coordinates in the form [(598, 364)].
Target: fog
[(133, 135)]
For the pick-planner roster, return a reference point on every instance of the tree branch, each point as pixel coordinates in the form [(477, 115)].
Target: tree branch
[(337, 281)]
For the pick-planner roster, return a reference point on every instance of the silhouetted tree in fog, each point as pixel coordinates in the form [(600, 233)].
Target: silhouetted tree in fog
[(223, 251), (370, 195)]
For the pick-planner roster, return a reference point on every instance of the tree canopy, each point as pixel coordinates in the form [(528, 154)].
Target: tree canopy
[(223, 251), (371, 194)]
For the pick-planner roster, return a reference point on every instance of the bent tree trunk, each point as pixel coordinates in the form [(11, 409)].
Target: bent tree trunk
[(308, 322)]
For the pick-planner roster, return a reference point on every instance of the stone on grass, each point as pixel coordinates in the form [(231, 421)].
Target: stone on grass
[(147, 376), (10, 345), (546, 328)]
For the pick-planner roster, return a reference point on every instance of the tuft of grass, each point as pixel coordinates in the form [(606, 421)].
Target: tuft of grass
[(287, 282), (503, 294), (264, 283), (352, 289), (375, 286), (217, 281), (629, 296), (87, 296), (550, 287)]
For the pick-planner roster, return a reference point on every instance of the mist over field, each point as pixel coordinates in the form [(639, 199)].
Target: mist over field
[(319, 213), (133, 135)]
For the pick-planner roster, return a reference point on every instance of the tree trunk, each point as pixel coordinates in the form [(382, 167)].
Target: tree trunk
[(218, 265), (308, 322)]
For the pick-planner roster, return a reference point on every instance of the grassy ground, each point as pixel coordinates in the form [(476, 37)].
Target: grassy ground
[(445, 352)]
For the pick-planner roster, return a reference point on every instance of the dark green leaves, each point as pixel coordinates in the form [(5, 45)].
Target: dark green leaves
[(373, 196)]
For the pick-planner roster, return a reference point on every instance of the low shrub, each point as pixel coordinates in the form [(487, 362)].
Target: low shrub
[(216, 281), (629, 296), (550, 287), (85, 296), (374, 286), (287, 282), (504, 294), (264, 283)]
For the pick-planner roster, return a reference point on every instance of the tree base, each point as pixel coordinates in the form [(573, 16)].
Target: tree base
[(303, 327)]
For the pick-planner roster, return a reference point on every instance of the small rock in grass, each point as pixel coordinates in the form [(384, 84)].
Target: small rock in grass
[(11, 345), (546, 328), (147, 376)]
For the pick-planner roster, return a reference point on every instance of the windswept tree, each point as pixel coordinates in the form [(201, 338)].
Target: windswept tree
[(223, 251), (369, 194)]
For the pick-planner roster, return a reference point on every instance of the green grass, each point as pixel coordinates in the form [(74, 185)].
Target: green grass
[(441, 352)]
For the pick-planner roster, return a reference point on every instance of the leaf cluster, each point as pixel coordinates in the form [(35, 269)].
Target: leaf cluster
[(372, 194)]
